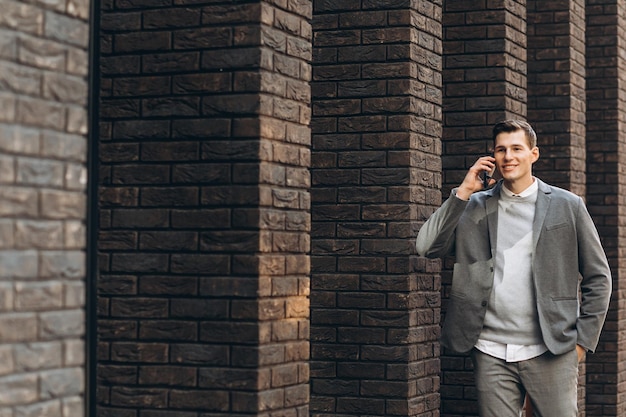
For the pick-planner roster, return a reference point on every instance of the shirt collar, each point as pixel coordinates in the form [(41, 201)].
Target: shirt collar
[(532, 189)]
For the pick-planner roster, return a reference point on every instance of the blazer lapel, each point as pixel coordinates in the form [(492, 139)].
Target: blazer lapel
[(491, 207), (541, 210)]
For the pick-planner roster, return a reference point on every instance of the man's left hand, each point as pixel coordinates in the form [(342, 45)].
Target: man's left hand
[(581, 353)]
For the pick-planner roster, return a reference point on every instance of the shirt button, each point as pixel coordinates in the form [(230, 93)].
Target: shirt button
[(484, 303)]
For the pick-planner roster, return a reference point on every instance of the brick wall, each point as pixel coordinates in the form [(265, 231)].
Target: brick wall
[(375, 163), (556, 101), (204, 198), (606, 147), (205, 221), (556, 90), (484, 79), (43, 153)]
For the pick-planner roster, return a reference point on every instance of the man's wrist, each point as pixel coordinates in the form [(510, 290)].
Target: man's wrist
[(463, 194)]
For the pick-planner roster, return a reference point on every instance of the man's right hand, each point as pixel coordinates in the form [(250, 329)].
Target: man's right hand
[(473, 181)]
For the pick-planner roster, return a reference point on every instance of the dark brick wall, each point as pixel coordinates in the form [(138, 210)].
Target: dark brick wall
[(556, 90), (375, 166), (204, 208), (206, 218), (556, 100), (485, 80), (606, 131)]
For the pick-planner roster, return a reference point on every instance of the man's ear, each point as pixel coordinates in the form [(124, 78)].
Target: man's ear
[(535, 152)]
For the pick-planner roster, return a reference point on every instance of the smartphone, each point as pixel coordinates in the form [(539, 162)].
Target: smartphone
[(486, 176)]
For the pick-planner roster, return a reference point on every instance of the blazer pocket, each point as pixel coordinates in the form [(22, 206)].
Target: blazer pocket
[(564, 298), (556, 226), (458, 295)]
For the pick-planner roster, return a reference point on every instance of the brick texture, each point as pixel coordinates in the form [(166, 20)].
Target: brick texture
[(557, 101), (43, 176), (556, 90), (208, 211), (222, 212), (485, 80), (375, 162), (606, 179), (204, 208)]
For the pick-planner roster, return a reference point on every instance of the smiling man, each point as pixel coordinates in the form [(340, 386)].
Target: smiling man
[(531, 283)]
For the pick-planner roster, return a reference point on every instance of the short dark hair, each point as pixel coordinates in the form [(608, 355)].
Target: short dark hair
[(512, 125)]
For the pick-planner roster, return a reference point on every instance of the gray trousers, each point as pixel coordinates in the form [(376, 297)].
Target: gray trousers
[(550, 381)]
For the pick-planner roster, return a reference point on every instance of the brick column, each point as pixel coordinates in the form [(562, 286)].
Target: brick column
[(556, 90), (375, 158), (606, 187), (485, 81), (43, 153), (204, 208), (556, 101)]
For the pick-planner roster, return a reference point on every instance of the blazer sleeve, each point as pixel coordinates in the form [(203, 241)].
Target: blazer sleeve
[(435, 238), (596, 284)]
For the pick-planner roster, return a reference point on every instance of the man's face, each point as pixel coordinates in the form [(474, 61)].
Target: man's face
[(514, 159)]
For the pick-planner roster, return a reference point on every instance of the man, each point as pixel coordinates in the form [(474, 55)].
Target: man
[(524, 251)]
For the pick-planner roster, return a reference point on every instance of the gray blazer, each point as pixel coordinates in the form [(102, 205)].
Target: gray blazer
[(567, 256)]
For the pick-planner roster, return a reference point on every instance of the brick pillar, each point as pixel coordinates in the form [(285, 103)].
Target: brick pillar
[(556, 100), (203, 302), (375, 165), (606, 187), (44, 65), (556, 90), (485, 81)]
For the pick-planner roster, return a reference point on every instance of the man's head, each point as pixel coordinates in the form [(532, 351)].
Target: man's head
[(512, 125), (515, 151)]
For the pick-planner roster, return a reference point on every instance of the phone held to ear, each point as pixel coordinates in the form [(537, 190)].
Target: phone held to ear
[(486, 177)]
